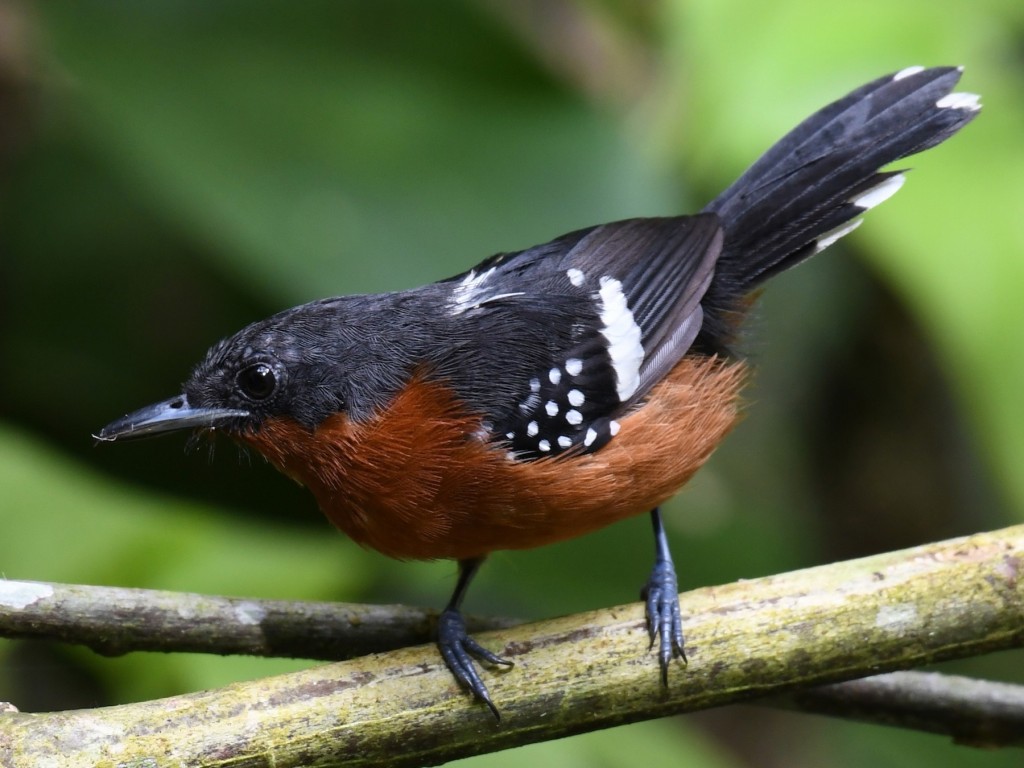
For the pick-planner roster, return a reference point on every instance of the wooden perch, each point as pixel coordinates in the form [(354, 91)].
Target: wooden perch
[(954, 599), (115, 620)]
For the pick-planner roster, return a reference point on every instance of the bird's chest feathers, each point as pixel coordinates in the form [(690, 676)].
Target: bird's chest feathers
[(395, 481), (416, 481)]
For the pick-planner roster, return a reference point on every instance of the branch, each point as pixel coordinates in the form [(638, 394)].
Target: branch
[(113, 621), (980, 713), (768, 636)]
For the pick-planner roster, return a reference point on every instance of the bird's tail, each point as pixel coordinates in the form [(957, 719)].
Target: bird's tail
[(809, 189)]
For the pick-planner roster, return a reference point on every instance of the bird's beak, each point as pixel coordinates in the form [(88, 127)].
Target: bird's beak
[(168, 416)]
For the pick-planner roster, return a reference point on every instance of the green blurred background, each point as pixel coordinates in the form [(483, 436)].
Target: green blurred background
[(170, 171)]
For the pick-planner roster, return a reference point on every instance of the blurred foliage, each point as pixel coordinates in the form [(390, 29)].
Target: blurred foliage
[(173, 170)]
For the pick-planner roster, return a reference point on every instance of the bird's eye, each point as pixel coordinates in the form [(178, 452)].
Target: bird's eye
[(257, 382)]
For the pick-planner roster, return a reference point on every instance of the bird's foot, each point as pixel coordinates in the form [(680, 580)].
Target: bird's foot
[(664, 622), (458, 650)]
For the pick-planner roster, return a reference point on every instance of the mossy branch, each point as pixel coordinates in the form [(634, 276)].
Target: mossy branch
[(767, 636)]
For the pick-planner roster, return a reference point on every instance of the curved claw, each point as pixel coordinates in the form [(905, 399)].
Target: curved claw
[(458, 650), (664, 621)]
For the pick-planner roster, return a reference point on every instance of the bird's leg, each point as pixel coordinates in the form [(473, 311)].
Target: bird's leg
[(457, 648), (662, 597)]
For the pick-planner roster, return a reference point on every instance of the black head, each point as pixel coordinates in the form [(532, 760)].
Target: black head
[(304, 364)]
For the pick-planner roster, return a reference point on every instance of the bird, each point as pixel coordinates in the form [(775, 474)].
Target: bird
[(549, 392)]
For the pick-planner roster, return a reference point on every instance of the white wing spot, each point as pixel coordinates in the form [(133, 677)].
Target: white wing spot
[(535, 385), (907, 72), (532, 429), (574, 366), (552, 408), (531, 402), (467, 294), (564, 441), (575, 276), (554, 375), (591, 436), (544, 445), (613, 428), (576, 398), (623, 336), (510, 435), (968, 101), (880, 193), (574, 417), (825, 240)]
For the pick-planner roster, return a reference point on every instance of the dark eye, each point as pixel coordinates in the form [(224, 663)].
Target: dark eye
[(257, 382)]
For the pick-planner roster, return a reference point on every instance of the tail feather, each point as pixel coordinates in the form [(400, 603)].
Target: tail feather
[(807, 191)]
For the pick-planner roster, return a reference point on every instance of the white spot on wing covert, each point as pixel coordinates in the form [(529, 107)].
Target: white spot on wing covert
[(575, 276), (470, 294), (467, 294), (623, 336)]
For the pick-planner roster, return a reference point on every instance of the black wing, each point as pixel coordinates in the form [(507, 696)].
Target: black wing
[(583, 327)]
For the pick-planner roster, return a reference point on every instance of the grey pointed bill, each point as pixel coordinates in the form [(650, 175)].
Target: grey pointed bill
[(168, 416)]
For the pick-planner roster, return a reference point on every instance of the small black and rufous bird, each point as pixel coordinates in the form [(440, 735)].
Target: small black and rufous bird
[(552, 391)]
